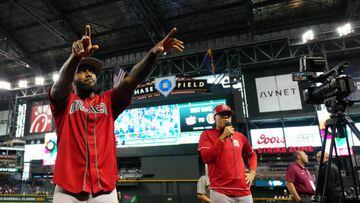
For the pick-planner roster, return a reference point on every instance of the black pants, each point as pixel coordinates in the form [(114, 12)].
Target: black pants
[(305, 198), (334, 197)]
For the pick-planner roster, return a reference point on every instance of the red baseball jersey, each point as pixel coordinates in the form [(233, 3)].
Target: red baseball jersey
[(225, 162), (86, 158)]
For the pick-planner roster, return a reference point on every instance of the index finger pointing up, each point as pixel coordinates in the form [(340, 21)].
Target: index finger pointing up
[(87, 31), (171, 33)]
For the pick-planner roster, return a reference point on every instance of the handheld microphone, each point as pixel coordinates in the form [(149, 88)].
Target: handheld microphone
[(227, 123)]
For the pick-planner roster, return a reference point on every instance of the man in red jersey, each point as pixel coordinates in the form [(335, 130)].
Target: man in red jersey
[(85, 168), (222, 149)]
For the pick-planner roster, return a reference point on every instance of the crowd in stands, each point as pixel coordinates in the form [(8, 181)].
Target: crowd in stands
[(7, 187), (39, 187)]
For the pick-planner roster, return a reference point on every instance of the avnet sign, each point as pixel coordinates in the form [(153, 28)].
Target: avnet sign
[(277, 93)]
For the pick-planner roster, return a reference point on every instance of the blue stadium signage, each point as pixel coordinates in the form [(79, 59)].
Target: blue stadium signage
[(183, 86)]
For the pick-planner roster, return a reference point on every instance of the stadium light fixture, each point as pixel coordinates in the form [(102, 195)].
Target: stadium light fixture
[(5, 85), (345, 29), (307, 36), (22, 83), (39, 80), (55, 77)]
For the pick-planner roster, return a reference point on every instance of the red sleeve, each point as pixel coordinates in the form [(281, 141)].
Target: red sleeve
[(250, 154), (57, 106), (209, 149), (290, 174), (118, 105)]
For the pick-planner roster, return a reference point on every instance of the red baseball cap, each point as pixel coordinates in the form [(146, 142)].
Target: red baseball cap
[(222, 108)]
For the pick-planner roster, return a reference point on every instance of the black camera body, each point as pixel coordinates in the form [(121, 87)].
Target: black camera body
[(332, 84)]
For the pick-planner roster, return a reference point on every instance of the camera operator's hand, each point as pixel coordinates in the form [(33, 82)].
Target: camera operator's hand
[(228, 131)]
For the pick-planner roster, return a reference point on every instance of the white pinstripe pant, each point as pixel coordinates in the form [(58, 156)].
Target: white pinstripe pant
[(61, 196), (217, 197)]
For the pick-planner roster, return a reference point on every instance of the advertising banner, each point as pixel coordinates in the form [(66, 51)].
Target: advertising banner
[(277, 93), (40, 119)]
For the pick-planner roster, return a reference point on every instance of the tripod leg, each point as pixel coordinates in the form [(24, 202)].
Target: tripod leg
[(354, 177), (354, 174), (323, 147), (339, 172), (353, 128), (327, 173)]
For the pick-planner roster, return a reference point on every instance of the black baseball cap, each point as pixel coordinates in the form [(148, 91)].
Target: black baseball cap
[(93, 63)]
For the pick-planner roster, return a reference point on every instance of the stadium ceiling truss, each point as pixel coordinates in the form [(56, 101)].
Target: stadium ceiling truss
[(19, 50), (244, 57), (147, 16), (233, 60)]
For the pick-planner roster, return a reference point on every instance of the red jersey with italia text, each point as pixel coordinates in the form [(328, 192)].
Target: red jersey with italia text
[(225, 161), (86, 157)]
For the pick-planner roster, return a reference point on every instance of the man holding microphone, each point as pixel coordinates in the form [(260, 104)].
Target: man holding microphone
[(222, 149)]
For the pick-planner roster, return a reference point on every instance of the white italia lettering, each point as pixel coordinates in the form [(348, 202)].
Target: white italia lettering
[(79, 105)]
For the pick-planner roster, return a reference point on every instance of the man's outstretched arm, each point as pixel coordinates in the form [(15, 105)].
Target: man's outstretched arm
[(80, 48), (125, 89)]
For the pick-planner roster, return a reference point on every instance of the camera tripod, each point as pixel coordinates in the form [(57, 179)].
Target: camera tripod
[(337, 124)]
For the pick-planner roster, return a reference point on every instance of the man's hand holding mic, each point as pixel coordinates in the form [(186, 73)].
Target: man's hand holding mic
[(228, 131)]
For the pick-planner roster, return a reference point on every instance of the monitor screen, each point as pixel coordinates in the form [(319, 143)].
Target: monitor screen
[(46, 151), (267, 138), (33, 152), (270, 183), (50, 149), (341, 144), (302, 136), (164, 125)]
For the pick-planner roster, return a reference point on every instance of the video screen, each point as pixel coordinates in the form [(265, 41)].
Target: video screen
[(270, 183), (302, 136), (33, 152), (341, 145), (50, 149), (164, 125), (46, 151)]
